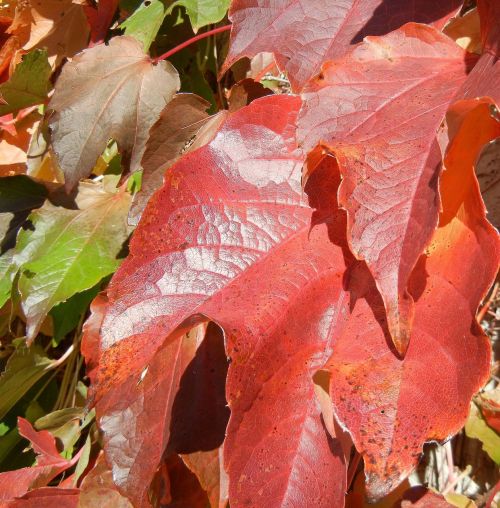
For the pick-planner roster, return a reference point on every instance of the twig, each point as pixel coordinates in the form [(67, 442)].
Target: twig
[(451, 486), (194, 39), (491, 497), (485, 308)]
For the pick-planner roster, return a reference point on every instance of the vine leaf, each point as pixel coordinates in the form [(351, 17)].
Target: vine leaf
[(302, 39), (112, 91), (28, 85), (204, 12), (378, 110), (58, 26), (68, 251), (391, 406), (49, 464), (183, 121), (237, 250)]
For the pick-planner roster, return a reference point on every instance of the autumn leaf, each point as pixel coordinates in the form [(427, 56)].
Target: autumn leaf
[(49, 464), (28, 85), (249, 261), (98, 489), (47, 497), (208, 468), (58, 26), (378, 110), (484, 79), (112, 91), (182, 121), (391, 406), (466, 31), (303, 38), (100, 19), (67, 251)]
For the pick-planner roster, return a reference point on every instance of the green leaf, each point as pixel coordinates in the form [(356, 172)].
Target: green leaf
[(477, 428), (66, 315), (145, 23), (7, 270), (69, 251), (24, 368), (28, 85), (67, 425), (204, 12)]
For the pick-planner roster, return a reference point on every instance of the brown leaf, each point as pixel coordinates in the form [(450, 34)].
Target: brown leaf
[(171, 136), (244, 92), (112, 91), (60, 26), (488, 174)]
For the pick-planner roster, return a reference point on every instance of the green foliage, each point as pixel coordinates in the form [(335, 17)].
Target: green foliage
[(476, 427), (28, 85), (64, 252), (25, 367), (145, 22), (204, 12)]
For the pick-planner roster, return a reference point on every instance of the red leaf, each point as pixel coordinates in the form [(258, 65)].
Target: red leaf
[(391, 406), (49, 464), (489, 13), (100, 19), (46, 497), (378, 110), (239, 250), (302, 38), (208, 468), (186, 491), (420, 497), (98, 490)]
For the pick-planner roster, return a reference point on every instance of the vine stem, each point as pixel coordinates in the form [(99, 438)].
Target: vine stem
[(194, 39), (491, 497)]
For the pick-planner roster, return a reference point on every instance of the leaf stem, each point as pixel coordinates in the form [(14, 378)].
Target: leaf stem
[(194, 39)]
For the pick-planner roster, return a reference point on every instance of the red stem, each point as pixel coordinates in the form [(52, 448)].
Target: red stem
[(494, 491), (196, 38)]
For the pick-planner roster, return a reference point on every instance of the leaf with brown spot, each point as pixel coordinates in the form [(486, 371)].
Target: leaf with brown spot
[(392, 406), (378, 110), (238, 250)]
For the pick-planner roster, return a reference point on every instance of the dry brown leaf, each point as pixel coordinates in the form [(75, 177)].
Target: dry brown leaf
[(106, 92), (466, 31), (13, 148), (60, 26)]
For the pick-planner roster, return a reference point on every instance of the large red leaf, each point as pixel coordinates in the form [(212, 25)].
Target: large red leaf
[(378, 110), (303, 35), (391, 406), (240, 250)]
